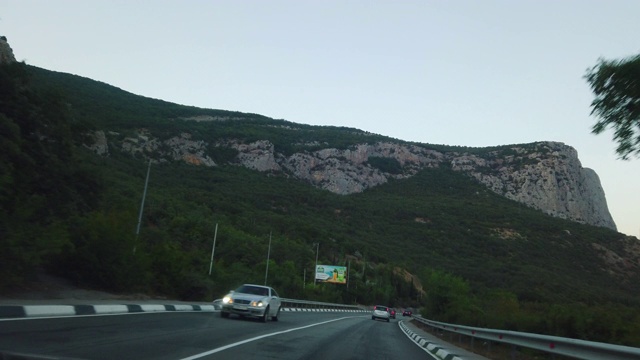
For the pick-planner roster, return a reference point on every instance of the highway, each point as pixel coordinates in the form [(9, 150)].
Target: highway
[(205, 335)]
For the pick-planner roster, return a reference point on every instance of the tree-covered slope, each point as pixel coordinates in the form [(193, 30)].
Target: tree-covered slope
[(75, 213)]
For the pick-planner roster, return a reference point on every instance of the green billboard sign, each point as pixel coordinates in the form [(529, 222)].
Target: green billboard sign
[(331, 274)]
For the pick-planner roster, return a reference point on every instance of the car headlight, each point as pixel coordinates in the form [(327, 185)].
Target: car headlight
[(227, 300), (257, 303)]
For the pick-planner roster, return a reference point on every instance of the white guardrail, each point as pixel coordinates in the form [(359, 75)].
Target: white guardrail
[(304, 304), (575, 348)]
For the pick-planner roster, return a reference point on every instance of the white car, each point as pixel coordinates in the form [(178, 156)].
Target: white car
[(251, 300), (380, 312)]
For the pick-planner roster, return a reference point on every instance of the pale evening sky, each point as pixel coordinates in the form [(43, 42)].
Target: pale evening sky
[(460, 72)]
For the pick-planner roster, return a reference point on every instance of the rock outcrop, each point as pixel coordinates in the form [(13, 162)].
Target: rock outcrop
[(6, 54), (177, 148), (546, 175)]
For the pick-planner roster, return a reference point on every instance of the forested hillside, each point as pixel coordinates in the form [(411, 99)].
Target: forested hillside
[(476, 257)]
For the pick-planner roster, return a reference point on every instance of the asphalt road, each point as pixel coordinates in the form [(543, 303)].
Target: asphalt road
[(205, 335)]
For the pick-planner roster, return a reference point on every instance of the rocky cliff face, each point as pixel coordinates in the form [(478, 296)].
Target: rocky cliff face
[(6, 54), (547, 175)]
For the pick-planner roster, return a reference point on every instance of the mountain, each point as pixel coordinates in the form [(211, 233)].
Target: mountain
[(354, 166), (467, 234)]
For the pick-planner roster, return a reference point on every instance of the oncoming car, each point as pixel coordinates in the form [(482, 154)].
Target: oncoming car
[(250, 300), (380, 312)]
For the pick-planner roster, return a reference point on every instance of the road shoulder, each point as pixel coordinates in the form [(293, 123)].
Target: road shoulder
[(435, 345)]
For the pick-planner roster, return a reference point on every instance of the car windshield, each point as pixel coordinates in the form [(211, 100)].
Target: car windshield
[(253, 290)]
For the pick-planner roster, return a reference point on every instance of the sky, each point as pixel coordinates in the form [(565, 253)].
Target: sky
[(458, 72)]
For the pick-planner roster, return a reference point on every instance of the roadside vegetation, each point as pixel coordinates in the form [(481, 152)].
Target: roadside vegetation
[(476, 258)]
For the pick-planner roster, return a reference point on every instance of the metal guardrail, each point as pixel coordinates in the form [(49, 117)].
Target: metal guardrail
[(575, 348), (304, 304)]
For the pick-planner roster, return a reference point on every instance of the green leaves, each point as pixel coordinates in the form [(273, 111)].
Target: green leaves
[(449, 297), (102, 253), (385, 164), (41, 184), (616, 86)]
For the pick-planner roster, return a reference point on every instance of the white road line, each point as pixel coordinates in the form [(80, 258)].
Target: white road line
[(206, 353)]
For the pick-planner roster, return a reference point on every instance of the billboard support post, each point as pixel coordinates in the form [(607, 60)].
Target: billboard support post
[(348, 267), (316, 268)]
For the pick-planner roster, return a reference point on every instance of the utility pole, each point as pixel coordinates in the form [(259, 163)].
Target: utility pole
[(144, 195), (268, 253), (213, 248), (315, 270)]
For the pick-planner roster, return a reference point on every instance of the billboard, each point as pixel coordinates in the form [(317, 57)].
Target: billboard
[(331, 274)]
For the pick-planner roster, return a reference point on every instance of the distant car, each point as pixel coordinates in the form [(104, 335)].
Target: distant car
[(217, 304), (250, 300), (406, 312), (392, 313), (380, 312)]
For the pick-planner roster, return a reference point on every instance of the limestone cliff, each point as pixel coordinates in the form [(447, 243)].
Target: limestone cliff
[(546, 175)]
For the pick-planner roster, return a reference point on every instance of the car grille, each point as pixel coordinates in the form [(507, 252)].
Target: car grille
[(241, 301)]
